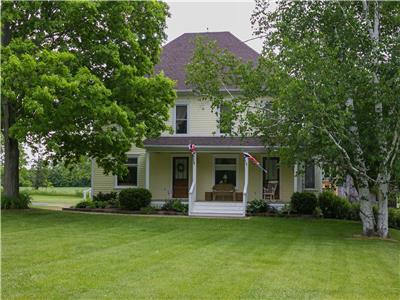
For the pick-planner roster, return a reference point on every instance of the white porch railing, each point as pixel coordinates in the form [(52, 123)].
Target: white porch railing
[(192, 191), (246, 181), (89, 190)]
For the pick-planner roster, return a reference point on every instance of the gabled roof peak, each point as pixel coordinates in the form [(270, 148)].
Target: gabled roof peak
[(178, 53)]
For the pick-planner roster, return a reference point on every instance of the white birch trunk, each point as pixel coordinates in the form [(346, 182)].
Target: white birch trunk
[(383, 213), (366, 212)]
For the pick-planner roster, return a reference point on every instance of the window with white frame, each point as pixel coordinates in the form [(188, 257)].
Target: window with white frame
[(225, 170), (181, 119), (131, 178), (309, 176), (225, 119)]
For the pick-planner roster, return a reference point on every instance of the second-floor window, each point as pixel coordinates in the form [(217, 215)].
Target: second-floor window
[(181, 119), (225, 119)]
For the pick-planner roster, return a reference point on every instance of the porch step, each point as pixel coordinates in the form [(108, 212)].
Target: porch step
[(218, 209)]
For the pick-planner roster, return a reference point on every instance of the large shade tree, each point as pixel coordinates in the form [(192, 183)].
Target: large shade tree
[(332, 70), (77, 79)]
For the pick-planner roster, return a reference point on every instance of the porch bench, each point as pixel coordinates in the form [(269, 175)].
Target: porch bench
[(223, 192)]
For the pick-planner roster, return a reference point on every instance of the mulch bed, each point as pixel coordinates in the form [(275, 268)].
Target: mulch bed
[(121, 211)]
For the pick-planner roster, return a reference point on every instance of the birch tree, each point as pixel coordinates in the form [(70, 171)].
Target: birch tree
[(332, 71)]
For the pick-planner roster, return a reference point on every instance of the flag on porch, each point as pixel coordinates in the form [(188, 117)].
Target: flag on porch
[(254, 161), (192, 148)]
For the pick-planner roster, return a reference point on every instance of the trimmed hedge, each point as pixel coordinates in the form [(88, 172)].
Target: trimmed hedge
[(134, 199), (105, 196), (303, 203)]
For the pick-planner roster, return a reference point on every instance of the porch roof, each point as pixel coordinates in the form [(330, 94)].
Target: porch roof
[(205, 143)]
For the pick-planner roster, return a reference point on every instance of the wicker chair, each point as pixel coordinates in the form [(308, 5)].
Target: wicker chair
[(269, 191)]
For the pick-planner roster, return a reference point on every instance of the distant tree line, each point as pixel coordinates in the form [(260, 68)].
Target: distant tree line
[(43, 175)]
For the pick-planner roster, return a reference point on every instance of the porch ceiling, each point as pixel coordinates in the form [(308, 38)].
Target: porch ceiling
[(205, 143)]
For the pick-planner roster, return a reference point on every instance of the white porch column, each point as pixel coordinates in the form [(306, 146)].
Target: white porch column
[(147, 180), (295, 181), (192, 191), (246, 181)]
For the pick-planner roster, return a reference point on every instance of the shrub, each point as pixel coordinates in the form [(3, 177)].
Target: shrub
[(333, 206), (167, 205), (303, 203), (394, 218), (22, 202), (175, 205), (113, 203), (85, 204), (148, 210), (317, 212), (100, 204), (105, 196), (354, 212), (257, 206), (134, 199)]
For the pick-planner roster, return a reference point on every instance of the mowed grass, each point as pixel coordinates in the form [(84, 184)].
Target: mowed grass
[(56, 199), (60, 255), (60, 191), (55, 196)]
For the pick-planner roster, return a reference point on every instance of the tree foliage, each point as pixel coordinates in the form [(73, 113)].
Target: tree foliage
[(332, 70), (77, 78)]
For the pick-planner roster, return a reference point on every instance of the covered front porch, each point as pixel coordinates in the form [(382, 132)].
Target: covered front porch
[(216, 180)]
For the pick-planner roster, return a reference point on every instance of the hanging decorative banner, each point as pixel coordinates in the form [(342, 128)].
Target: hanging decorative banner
[(192, 148), (253, 160)]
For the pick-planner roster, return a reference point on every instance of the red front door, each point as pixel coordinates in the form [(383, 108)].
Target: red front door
[(180, 175)]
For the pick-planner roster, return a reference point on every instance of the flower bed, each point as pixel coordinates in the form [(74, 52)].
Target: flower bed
[(123, 211)]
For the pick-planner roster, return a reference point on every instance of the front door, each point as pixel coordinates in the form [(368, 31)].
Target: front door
[(180, 175)]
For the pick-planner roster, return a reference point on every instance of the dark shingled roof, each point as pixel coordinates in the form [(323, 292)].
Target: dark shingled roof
[(178, 53), (204, 141)]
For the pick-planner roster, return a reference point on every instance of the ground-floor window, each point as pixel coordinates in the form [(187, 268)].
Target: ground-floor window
[(309, 175), (271, 178), (225, 170), (131, 178)]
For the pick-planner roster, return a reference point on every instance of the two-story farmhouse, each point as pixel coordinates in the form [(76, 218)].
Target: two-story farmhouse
[(215, 179)]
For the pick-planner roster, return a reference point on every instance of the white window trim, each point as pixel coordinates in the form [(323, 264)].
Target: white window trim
[(116, 186), (236, 157), (181, 103)]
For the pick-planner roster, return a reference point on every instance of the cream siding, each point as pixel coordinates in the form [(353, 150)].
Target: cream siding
[(201, 120), (106, 183)]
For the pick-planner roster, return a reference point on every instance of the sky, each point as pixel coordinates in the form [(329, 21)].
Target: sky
[(233, 16)]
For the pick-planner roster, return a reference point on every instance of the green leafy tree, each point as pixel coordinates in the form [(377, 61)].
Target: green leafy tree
[(77, 174), (77, 79), (331, 72), (39, 174)]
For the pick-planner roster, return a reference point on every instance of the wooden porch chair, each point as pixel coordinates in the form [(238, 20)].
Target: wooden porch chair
[(225, 191), (269, 191)]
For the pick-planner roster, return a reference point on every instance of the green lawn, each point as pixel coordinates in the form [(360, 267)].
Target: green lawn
[(61, 191), (56, 200), (59, 255), (55, 196)]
